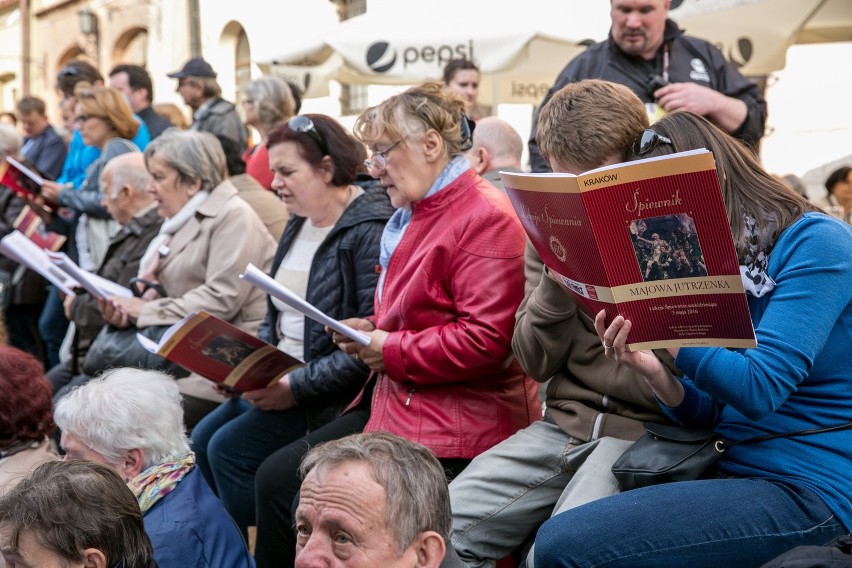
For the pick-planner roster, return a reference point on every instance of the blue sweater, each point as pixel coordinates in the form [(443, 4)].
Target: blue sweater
[(800, 375), (190, 528)]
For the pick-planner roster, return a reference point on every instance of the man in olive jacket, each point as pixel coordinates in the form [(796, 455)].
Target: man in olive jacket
[(595, 407), (124, 182)]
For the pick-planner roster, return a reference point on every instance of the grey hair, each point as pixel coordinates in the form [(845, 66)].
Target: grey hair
[(194, 154), (273, 99), (415, 484), (136, 177), (10, 140), (126, 409)]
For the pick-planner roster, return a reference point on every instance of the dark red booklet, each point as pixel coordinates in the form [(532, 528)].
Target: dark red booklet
[(22, 179), (649, 240), (30, 224), (221, 352)]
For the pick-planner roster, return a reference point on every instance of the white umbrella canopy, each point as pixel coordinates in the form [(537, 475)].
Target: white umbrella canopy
[(519, 47), (755, 34)]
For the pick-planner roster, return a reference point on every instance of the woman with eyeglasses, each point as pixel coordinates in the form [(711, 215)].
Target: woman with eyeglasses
[(450, 277), (105, 124), (207, 238), (267, 102), (771, 495), (327, 255)]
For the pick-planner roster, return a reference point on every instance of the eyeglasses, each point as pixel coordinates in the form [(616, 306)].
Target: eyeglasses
[(305, 125), (379, 159), (647, 141)]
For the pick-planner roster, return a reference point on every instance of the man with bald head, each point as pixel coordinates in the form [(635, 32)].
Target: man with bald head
[(124, 182), (497, 147)]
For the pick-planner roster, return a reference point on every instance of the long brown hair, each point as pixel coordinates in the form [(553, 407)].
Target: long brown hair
[(747, 189)]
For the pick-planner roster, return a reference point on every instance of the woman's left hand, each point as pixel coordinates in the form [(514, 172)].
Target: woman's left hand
[(130, 307), (278, 396), (371, 354)]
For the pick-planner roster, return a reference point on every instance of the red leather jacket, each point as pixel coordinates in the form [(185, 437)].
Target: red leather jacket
[(449, 298)]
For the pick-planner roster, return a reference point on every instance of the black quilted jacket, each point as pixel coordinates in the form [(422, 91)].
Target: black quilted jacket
[(341, 283)]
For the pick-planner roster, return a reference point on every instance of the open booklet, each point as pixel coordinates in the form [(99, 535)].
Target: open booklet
[(221, 352), (23, 180), (22, 250), (258, 278), (95, 285), (649, 240)]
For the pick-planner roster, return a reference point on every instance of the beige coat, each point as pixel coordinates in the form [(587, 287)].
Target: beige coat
[(19, 465), (206, 257), (265, 203)]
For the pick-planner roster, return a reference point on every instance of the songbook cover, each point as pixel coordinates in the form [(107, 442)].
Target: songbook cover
[(649, 240), (221, 352)]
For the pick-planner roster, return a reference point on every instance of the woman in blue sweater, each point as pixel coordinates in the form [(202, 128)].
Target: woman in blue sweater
[(768, 496)]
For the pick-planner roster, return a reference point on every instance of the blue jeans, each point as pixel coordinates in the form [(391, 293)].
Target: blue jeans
[(231, 442), (712, 523), (52, 326)]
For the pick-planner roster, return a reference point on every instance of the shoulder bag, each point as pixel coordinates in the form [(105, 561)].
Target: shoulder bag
[(667, 453)]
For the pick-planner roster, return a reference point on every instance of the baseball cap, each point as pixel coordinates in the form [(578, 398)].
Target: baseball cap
[(195, 67)]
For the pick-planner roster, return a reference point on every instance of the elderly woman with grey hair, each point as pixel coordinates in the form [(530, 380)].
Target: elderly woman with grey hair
[(132, 421), (267, 102), (208, 237)]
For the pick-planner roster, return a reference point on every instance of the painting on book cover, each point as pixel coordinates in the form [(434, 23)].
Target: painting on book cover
[(227, 350), (667, 247)]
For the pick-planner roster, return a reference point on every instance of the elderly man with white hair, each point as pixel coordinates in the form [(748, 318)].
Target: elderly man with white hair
[(132, 421)]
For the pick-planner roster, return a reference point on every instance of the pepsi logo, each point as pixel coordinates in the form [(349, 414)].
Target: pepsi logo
[(380, 57)]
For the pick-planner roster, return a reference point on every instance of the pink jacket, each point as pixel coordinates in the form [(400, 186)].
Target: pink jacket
[(449, 299)]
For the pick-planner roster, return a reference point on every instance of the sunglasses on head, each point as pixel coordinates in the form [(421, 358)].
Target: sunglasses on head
[(647, 141), (467, 126), (305, 125), (69, 71)]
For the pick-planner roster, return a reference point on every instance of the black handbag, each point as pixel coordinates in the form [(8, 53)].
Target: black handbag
[(114, 347), (667, 453)]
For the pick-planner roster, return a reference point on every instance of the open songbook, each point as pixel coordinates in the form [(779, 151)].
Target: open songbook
[(22, 250), (23, 180), (95, 285), (649, 240), (221, 352), (256, 277)]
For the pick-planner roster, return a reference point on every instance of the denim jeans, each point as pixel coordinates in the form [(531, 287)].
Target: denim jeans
[(503, 496), (52, 326), (231, 442), (693, 524)]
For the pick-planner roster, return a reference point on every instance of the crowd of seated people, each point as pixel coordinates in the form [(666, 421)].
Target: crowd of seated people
[(431, 431)]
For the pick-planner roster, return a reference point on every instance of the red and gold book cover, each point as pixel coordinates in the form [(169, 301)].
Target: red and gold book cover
[(649, 240), (221, 352), (30, 224)]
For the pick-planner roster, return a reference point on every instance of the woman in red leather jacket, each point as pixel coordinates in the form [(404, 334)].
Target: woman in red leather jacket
[(451, 280)]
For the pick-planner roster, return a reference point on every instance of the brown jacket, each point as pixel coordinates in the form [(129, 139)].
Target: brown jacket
[(265, 203), (589, 396), (206, 257)]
